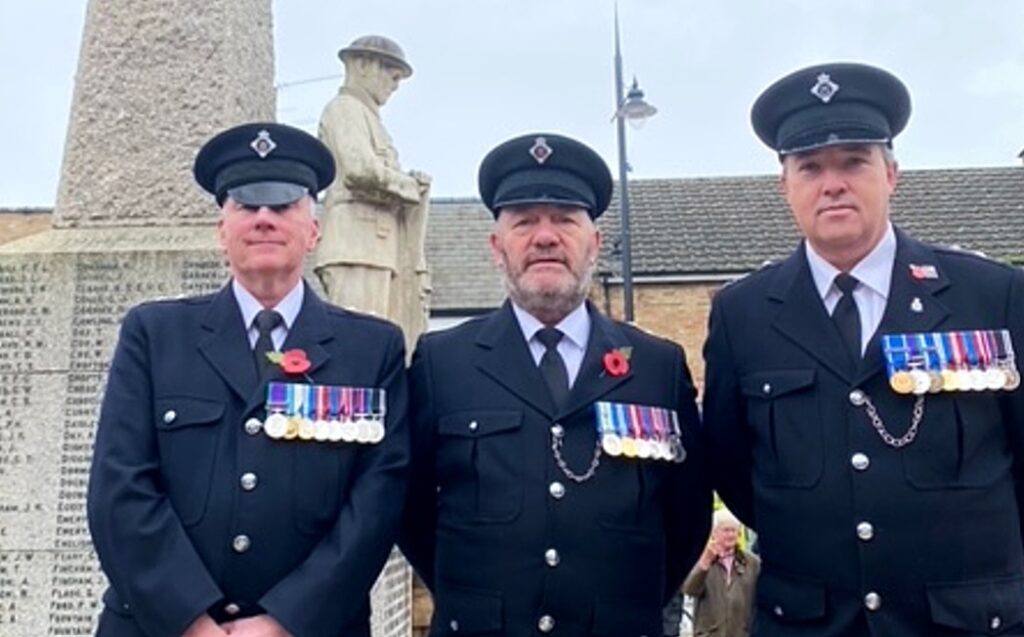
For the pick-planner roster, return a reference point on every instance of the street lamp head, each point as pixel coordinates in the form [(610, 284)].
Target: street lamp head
[(635, 109)]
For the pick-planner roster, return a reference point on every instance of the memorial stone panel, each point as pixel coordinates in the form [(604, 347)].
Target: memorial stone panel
[(58, 327)]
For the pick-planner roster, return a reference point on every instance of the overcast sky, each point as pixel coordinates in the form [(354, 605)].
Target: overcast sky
[(486, 70)]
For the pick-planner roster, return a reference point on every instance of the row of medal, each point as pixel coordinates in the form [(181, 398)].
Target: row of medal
[(325, 413), (975, 360), (639, 431)]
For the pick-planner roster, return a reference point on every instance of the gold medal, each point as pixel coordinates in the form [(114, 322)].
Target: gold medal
[(291, 431), (1012, 379), (949, 380), (629, 447), (902, 383)]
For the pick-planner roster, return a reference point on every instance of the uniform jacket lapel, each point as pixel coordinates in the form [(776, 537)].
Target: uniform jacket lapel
[(503, 355), (593, 381), (802, 317), (901, 315), (226, 345)]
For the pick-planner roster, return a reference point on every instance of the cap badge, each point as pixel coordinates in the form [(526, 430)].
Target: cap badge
[(824, 89), (263, 145), (540, 150)]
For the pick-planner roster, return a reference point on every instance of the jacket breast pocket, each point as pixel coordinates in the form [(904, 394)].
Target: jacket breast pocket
[(188, 437), (480, 465), (785, 418)]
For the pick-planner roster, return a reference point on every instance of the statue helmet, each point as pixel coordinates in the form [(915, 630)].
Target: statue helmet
[(378, 46)]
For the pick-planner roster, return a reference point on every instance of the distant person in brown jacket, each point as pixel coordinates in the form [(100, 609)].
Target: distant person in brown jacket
[(723, 583)]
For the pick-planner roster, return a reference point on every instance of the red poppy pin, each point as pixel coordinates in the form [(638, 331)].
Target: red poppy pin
[(293, 362), (616, 362)]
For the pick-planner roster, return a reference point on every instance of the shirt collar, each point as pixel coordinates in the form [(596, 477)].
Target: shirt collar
[(288, 307), (873, 271), (575, 326)]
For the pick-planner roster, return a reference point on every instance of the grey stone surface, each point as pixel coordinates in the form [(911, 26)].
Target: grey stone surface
[(155, 79), (62, 304)]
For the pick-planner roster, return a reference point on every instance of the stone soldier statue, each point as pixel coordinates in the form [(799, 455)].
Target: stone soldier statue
[(374, 219)]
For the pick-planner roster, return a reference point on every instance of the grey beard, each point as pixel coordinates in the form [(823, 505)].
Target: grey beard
[(551, 306)]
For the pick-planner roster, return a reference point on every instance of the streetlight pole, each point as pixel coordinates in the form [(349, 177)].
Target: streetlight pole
[(629, 106)]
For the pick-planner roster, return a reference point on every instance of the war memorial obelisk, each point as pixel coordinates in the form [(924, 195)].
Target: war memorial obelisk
[(154, 80)]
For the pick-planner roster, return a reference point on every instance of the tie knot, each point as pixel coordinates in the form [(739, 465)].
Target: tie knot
[(549, 337), (846, 282), (267, 320)]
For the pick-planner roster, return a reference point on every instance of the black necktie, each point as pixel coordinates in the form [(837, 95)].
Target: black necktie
[(847, 317), (552, 366), (265, 322)]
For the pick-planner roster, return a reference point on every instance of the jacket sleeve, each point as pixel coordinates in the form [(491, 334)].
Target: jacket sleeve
[(696, 581), (155, 572), (328, 589), (419, 523), (688, 514), (730, 454), (1013, 402)]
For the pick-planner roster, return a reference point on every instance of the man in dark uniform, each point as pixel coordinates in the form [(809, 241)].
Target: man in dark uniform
[(557, 468), (862, 396), (222, 500)]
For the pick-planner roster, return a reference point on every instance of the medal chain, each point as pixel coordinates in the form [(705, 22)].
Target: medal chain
[(556, 448), (891, 440)]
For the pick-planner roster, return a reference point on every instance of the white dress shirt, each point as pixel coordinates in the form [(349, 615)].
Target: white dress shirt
[(874, 272), (575, 330), (288, 308)]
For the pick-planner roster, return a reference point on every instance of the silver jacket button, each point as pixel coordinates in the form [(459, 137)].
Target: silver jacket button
[(860, 461), (872, 601), (248, 481), (865, 531), (169, 416), (557, 490), (241, 543), (546, 624), (253, 426), (857, 398), (552, 557)]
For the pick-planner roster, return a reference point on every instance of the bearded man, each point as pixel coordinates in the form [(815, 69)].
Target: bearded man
[(558, 483)]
